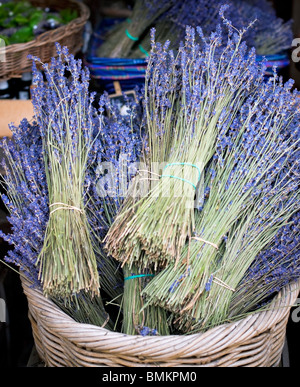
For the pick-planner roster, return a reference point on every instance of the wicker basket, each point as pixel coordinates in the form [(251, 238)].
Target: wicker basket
[(70, 35), (256, 341)]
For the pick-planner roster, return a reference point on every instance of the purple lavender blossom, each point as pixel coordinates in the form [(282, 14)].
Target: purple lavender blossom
[(274, 267), (111, 137), (27, 197), (146, 331), (269, 34)]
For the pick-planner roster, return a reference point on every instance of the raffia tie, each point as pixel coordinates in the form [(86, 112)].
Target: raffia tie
[(64, 206), (204, 241)]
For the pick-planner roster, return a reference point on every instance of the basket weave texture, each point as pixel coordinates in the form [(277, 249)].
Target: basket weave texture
[(70, 35), (255, 341)]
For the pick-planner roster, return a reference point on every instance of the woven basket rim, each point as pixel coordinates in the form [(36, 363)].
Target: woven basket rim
[(57, 319), (16, 60), (41, 39)]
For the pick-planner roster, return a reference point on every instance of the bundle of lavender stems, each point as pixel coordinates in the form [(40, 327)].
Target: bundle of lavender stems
[(243, 134), (270, 35), (202, 229), (188, 98), (126, 34)]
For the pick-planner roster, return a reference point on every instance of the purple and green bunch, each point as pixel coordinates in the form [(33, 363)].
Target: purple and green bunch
[(189, 98), (63, 110), (26, 197), (274, 203), (126, 34), (27, 201), (269, 34), (252, 187)]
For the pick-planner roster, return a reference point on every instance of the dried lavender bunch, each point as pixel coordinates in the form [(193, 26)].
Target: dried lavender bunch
[(188, 98), (275, 202), (113, 164), (122, 141), (273, 268), (63, 109), (144, 13), (27, 201), (253, 191), (137, 319), (269, 34)]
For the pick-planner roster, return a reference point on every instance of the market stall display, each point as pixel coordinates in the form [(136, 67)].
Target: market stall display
[(166, 233)]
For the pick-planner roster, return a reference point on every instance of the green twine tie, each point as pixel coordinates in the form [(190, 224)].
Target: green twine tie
[(138, 276), (143, 50), (130, 36), (180, 178)]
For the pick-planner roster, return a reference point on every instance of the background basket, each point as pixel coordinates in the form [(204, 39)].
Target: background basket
[(256, 341), (70, 35)]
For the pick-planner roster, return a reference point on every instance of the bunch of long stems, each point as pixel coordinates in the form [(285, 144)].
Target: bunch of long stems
[(137, 319), (122, 39), (26, 198), (273, 268), (67, 260), (151, 320), (187, 99), (238, 192)]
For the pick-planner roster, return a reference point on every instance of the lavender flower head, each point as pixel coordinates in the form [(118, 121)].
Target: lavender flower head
[(28, 197), (268, 33)]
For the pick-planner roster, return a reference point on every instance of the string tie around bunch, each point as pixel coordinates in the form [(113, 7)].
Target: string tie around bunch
[(180, 178), (130, 36), (138, 276), (135, 39), (64, 206)]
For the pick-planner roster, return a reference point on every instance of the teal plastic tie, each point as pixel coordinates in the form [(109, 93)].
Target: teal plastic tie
[(138, 276), (143, 50), (179, 178), (136, 39), (131, 37)]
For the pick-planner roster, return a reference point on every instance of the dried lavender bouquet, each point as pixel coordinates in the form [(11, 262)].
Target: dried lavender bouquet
[(253, 190), (270, 34), (67, 260), (188, 99), (120, 42), (273, 268), (26, 199)]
